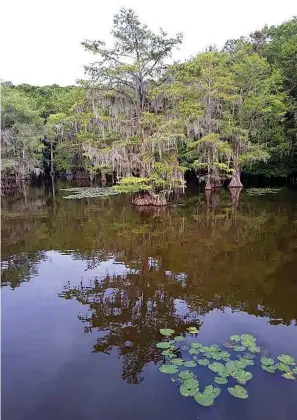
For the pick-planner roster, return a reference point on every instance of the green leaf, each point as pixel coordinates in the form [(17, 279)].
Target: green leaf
[(168, 369), (187, 392), (267, 361), (220, 380), (166, 353), (185, 374), (163, 345), (269, 369), (178, 338), (247, 340), (193, 330), (239, 348), (204, 399), (216, 367), (254, 349), (196, 345), (242, 363), (238, 392), (177, 362), (191, 383), (203, 362), (288, 376), (166, 331), (212, 390), (285, 358), (193, 351), (190, 363), (294, 370), (283, 367), (235, 338)]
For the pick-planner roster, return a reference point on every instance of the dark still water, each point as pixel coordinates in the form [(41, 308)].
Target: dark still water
[(87, 284)]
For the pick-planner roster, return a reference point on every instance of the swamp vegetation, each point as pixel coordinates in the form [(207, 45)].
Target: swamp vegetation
[(144, 121)]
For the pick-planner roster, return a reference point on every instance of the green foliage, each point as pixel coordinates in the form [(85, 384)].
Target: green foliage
[(170, 369), (238, 392), (166, 331), (288, 360)]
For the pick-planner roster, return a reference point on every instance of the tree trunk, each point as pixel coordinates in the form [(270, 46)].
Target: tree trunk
[(235, 181), (149, 199)]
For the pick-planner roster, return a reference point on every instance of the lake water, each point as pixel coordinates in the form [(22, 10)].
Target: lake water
[(87, 284)]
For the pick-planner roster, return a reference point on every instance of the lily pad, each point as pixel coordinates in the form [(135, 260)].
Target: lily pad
[(269, 369), (212, 390), (185, 374), (235, 338), (177, 362), (238, 392), (283, 367), (220, 380), (203, 362), (190, 363), (216, 367), (187, 392), (254, 349), (239, 348), (196, 345), (227, 345), (247, 340), (168, 369), (288, 376), (166, 353), (166, 331), (241, 376), (191, 383), (163, 345), (193, 352), (285, 358), (294, 370), (267, 361), (204, 399), (193, 330), (178, 338), (242, 363)]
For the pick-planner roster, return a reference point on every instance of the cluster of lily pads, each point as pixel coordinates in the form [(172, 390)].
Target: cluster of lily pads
[(218, 361), (262, 191), (87, 192)]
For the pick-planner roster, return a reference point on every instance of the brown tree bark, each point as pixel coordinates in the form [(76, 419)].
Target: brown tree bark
[(235, 180), (149, 199)]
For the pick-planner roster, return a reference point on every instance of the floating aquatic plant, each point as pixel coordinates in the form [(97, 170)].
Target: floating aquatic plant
[(218, 361), (87, 192), (262, 191), (238, 391)]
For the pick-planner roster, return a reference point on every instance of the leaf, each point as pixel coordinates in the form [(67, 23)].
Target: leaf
[(269, 369), (190, 363), (166, 331), (177, 362), (247, 340), (163, 345), (235, 338), (227, 345), (203, 362), (238, 392), (185, 374), (193, 330), (168, 369), (191, 383), (288, 376), (204, 399), (216, 367), (242, 363), (285, 358), (267, 361), (196, 345), (166, 353), (241, 376), (283, 367), (239, 348), (294, 370), (187, 392), (178, 338), (193, 351), (254, 349), (220, 380)]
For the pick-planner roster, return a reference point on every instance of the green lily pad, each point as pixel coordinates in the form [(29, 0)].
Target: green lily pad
[(190, 363), (216, 367), (294, 370), (227, 345), (285, 358), (247, 340), (193, 352), (220, 380), (242, 363), (177, 362), (185, 374), (247, 356), (196, 345), (267, 361), (241, 376), (166, 331), (168, 369), (178, 338), (203, 362), (269, 369), (239, 348), (191, 383), (193, 330), (212, 390), (254, 349), (235, 338), (163, 345), (166, 353), (283, 367), (288, 376), (188, 392), (238, 392), (204, 399)]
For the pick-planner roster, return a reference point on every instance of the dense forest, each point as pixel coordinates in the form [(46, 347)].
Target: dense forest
[(145, 120)]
